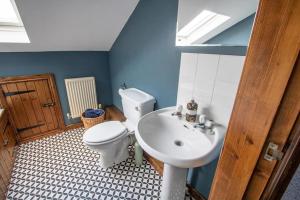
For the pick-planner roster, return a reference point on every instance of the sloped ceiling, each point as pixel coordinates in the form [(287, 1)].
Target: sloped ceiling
[(71, 25)]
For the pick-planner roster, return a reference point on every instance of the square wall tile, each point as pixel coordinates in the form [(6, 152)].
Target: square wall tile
[(212, 80), (224, 94), (207, 67), (230, 68), (188, 66)]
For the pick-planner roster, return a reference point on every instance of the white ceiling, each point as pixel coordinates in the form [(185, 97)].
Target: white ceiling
[(71, 25)]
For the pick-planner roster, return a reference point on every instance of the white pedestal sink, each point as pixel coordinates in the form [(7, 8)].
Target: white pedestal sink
[(179, 145)]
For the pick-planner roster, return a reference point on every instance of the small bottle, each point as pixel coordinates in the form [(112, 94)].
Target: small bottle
[(191, 113)]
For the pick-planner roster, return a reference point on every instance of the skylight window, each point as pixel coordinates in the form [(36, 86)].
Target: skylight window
[(201, 25), (11, 26), (7, 12)]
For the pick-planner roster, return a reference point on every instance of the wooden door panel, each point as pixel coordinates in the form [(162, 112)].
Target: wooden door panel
[(40, 89), (36, 104), (16, 105), (29, 110), (2, 187), (10, 106), (50, 100), (3, 104), (7, 144), (6, 164), (4, 173), (6, 160), (25, 100), (9, 134)]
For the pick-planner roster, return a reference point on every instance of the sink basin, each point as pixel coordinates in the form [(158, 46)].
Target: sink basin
[(176, 142), (179, 145)]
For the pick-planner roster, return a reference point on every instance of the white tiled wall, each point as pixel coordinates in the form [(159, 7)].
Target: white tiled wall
[(212, 80)]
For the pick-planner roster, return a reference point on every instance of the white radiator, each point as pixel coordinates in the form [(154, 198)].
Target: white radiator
[(81, 94)]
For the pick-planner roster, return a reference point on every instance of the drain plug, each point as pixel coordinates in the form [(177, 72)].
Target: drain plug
[(178, 143)]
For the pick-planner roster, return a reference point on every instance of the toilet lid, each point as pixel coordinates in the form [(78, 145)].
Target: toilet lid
[(104, 132)]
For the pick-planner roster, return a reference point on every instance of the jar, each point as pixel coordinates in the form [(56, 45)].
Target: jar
[(191, 113)]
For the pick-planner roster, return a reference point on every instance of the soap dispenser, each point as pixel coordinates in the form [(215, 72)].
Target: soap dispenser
[(191, 113)]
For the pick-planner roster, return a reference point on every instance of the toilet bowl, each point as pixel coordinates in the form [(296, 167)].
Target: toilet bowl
[(112, 138)]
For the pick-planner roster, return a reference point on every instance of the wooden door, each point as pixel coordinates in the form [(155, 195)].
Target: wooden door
[(33, 104), (6, 163), (271, 57), (286, 168), (280, 131), (7, 144)]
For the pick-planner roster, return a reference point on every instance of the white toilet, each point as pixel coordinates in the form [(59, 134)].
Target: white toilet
[(111, 139)]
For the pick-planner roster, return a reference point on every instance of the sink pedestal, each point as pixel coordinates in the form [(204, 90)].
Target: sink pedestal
[(174, 183)]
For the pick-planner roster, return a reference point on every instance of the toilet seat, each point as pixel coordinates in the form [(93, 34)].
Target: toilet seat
[(104, 132)]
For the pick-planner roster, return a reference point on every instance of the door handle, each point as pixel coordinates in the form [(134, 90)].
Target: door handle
[(48, 104)]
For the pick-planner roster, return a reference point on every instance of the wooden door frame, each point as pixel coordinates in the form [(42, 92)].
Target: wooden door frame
[(282, 126), (272, 52), (53, 90), (286, 168)]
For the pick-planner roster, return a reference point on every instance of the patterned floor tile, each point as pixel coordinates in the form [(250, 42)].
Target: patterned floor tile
[(62, 167)]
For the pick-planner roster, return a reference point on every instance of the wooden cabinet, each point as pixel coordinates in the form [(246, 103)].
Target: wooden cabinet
[(33, 104), (7, 144)]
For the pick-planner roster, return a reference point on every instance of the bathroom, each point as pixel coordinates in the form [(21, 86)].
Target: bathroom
[(141, 47)]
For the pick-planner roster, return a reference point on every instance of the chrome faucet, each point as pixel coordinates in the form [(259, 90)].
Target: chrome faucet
[(199, 125), (207, 126)]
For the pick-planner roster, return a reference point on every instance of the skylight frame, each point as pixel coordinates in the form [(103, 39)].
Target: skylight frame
[(12, 22), (13, 31), (199, 27)]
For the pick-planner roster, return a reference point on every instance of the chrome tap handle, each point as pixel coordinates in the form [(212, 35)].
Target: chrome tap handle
[(199, 125), (209, 124)]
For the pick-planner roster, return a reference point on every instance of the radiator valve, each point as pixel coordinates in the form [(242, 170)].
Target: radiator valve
[(69, 116)]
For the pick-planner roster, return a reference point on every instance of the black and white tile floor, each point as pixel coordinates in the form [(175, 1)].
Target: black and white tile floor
[(62, 167)]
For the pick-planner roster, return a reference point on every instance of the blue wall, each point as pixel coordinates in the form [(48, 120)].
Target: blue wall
[(144, 56), (238, 34), (62, 65)]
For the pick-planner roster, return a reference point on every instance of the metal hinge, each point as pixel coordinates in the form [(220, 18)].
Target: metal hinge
[(272, 152), (30, 127), (8, 94)]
